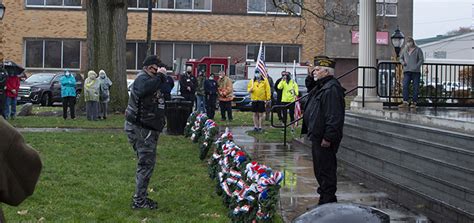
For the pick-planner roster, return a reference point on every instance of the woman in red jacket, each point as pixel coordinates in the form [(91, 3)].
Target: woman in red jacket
[(12, 87)]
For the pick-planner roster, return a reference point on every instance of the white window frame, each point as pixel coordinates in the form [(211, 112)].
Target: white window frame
[(396, 9), (281, 51), (44, 52), (53, 6), (384, 7), (174, 9), (265, 10), (174, 51)]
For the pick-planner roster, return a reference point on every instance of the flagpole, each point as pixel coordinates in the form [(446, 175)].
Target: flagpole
[(258, 56)]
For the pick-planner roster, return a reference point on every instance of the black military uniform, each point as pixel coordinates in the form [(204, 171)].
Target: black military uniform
[(188, 80), (145, 119), (324, 118)]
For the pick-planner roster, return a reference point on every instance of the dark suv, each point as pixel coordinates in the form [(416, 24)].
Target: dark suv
[(44, 88)]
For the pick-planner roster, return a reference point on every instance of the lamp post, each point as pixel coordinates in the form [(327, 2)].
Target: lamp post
[(2, 10), (397, 39)]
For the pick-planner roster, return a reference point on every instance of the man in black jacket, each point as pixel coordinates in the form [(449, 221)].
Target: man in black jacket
[(210, 87), (145, 119), (187, 85), (279, 93), (324, 117)]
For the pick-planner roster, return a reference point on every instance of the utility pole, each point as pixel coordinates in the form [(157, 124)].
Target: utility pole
[(148, 28)]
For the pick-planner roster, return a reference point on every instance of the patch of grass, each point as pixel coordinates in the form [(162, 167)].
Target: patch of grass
[(112, 122), (241, 118), (38, 109), (89, 177), (275, 135)]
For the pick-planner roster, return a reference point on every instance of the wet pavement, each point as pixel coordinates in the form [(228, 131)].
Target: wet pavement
[(298, 190)]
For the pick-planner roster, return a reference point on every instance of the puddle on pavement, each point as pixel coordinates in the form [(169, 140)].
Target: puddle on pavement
[(298, 190)]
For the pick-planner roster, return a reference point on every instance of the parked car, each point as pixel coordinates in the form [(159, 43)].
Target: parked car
[(241, 96), (174, 92), (301, 85), (45, 89)]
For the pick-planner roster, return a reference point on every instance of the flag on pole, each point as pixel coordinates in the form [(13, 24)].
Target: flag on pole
[(297, 103), (260, 66)]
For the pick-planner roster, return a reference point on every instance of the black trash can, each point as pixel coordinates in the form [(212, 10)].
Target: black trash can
[(177, 113)]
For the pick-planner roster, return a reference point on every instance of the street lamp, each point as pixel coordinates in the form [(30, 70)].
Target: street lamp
[(2, 11), (397, 40)]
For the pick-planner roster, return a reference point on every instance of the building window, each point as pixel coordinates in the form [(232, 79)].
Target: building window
[(178, 5), (384, 8), (276, 54), (267, 6), (54, 3), (55, 54), (439, 54), (167, 52)]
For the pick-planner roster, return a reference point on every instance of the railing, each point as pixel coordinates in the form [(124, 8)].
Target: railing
[(285, 125), (441, 84)]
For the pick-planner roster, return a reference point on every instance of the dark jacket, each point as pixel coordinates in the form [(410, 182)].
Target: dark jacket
[(278, 91), (167, 87), (146, 104), (186, 81), (325, 111), (210, 87), (310, 83), (20, 166)]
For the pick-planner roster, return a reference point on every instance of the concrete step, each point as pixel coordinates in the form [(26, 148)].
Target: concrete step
[(445, 137), (452, 176), (406, 177), (450, 155)]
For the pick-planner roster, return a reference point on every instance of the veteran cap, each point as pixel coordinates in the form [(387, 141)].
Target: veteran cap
[(324, 61)]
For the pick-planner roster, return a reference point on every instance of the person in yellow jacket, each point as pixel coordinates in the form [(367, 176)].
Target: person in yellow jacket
[(259, 90), (289, 89)]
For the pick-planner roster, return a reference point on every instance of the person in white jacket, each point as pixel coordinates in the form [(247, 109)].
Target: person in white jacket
[(104, 94)]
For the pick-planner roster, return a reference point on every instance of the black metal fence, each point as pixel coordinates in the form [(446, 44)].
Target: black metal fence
[(441, 84)]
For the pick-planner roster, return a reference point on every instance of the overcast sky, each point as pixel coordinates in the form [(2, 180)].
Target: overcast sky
[(436, 17)]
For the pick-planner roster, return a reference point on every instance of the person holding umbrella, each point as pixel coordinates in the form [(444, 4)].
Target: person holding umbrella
[(12, 87)]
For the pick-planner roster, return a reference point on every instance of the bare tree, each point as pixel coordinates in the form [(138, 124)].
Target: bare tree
[(106, 40), (340, 12)]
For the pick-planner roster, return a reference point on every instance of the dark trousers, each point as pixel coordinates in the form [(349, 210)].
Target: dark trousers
[(2, 102), (69, 102), (284, 112), (279, 111), (226, 106), (190, 97), (144, 144), (408, 77), (211, 105), (325, 165)]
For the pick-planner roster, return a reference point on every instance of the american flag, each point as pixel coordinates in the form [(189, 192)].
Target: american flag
[(297, 103), (261, 67)]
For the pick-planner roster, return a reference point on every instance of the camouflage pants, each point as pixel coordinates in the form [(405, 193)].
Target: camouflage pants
[(144, 143)]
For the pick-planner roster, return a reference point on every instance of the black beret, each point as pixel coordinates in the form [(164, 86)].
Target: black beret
[(150, 60)]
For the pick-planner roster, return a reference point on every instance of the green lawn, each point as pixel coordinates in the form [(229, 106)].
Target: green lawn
[(112, 122), (276, 135), (241, 118), (89, 177)]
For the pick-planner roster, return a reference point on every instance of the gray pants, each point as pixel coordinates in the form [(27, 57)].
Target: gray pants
[(92, 110), (103, 109), (144, 143)]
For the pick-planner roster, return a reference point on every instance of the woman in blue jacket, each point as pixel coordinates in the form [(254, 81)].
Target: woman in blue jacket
[(68, 94)]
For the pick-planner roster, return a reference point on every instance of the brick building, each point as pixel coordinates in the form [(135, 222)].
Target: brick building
[(51, 34)]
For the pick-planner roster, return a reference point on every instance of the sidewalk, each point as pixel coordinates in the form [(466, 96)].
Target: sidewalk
[(299, 186)]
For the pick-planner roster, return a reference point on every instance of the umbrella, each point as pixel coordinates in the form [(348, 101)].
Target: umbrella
[(12, 68)]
